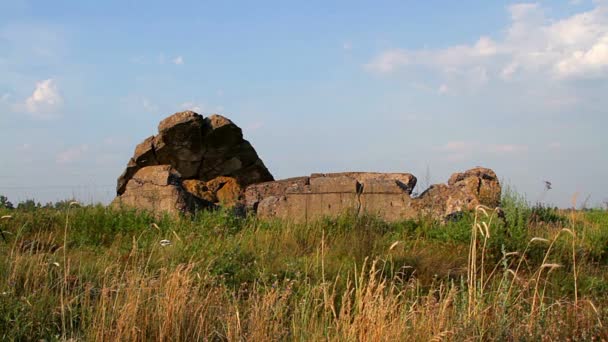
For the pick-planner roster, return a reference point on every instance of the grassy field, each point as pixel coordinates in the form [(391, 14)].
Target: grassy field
[(90, 273)]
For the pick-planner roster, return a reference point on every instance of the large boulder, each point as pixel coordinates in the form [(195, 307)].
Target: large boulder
[(213, 160), (387, 195)]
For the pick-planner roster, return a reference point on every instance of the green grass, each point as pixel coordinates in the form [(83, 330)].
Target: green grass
[(351, 278)]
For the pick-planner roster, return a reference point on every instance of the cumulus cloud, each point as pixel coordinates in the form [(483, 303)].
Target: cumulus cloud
[(72, 154), (446, 59), (591, 63), (44, 101), (571, 47)]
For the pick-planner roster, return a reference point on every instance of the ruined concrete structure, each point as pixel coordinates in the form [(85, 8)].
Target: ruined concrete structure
[(195, 163), (205, 161), (387, 195)]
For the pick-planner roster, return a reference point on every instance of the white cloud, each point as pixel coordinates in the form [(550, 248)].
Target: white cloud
[(589, 63), (571, 47), (71, 154), (44, 101), (443, 89), (388, 61), (179, 60), (446, 59)]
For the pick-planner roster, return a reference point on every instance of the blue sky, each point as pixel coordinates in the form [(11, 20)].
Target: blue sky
[(427, 87)]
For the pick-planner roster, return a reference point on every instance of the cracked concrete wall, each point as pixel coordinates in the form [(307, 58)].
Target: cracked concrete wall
[(387, 195), (306, 199)]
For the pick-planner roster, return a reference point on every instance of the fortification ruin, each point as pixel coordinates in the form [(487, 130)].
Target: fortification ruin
[(195, 163)]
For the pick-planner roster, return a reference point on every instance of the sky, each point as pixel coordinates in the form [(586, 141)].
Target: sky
[(426, 87)]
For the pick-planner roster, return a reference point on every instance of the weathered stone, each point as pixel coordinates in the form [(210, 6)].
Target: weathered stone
[(274, 207), (384, 186), (194, 162), (223, 191), (464, 192), (329, 185), (159, 189), (180, 143), (226, 189), (257, 192), (389, 206), (481, 182), (199, 189), (384, 194), (202, 149), (126, 175), (405, 180), (144, 155)]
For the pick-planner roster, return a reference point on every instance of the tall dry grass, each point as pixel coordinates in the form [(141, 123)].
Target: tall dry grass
[(145, 295)]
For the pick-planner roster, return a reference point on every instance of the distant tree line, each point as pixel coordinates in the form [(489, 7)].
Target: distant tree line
[(30, 204)]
